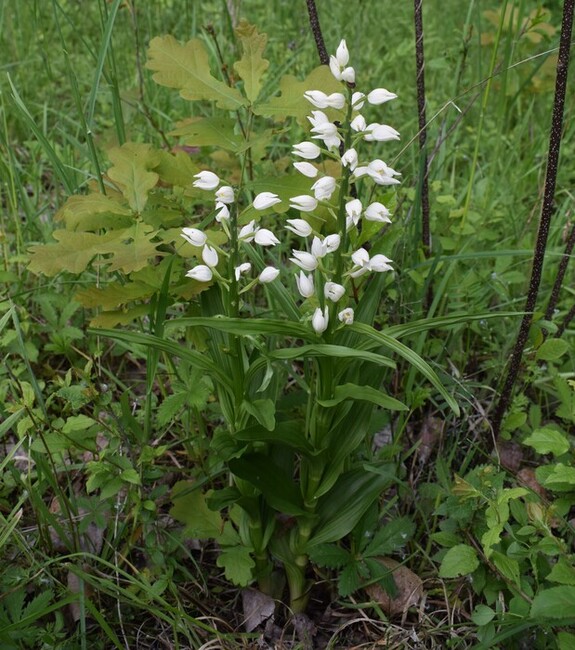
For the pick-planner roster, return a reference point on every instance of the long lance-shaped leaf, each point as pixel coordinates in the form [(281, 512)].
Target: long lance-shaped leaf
[(175, 349), (243, 327), (327, 350), (425, 324), (409, 355)]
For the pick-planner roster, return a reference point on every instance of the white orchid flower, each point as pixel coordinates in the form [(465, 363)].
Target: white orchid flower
[(324, 188), (200, 273), (269, 274), (206, 180), (222, 212), (307, 150), (380, 96), (300, 227), (194, 236), (338, 63), (381, 173), (210, 256), (320, 320), (346, 316), (303, 202), (357, 100), (265, 237), (265, 200), (333, 291), (225, 194), (324, 129), (350, 159), (353, 210), (360, 258), (304, 260), (358, 123), (377, 212), (380, 133), (304, 284), (380, 264), (320, 100), (307, 169), (248, 231), (332, 242), (242, 268)]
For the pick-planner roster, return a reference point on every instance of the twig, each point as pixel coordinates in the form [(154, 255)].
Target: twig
[(316, 29), (546, 213), (570, 316)]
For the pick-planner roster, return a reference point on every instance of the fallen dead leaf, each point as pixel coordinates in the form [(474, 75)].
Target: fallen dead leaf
[(409, 589)]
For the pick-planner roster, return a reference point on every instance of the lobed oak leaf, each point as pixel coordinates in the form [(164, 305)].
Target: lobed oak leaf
[(93, 211), (187, 68), (131, 171), (252, 65), (72, 252)]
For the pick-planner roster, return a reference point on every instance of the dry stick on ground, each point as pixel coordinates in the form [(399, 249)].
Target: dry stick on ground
[(545, 219), (554, 298), (316, 29)]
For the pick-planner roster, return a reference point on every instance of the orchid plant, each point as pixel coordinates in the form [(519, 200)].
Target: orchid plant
[(280, 301), (298, 391)]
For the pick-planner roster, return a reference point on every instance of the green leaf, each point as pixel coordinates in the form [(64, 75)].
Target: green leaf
[(406, 353), (130, 249), (507, 566), (190, 508), (556, 603), (289, 433), (491, 537), (552, 349), (291, 101), (329, 555), (131, 172), (566, 640), (335, 351), (482, 614), (461, 560), (276, 486), (93, 211), (252, 65), (548, 441), (365, 393), (349, 580), (241, 326), (392, 536), (237, 564), (209, 132), (73, 252), (561, 474), (187, 68), (131, 476), (562, 572), (342, 507), (113, 295), (263, 410), (77, 423)]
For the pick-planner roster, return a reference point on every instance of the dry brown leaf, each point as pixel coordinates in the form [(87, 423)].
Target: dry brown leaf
[(258, 607), (409, 589)]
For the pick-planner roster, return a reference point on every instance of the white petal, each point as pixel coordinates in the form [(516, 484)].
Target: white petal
[(324, 188), (265, 237), (242, 268), (265, 200), (304, 260), (342, 54), (380, 96), (320, 320), (357, 100), (194, 236), (307, 150), (346, 316), (206, 180), (303, 202), (307, 169), (300, 227), (333, 291), (200, 273), (210, 256), (269, 274), (225, 194), (348, 75), (304, 284)]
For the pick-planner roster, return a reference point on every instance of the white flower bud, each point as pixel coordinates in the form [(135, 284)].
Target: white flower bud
[(320, 320), (304, 260), (380, 133), (358, 123), (200, 273), (223, 213), (331, 243), (357, 100), (333, 291), (206, 181), (346, 316), (348, 75), (304, 203), (349, 159), (242, 268), (353, 210), (377, 212), (210, 256), (248, 231), (379, 264), (307, 150), (194, 236), (299, 227), (265, 200), (304, 284), (269, 274), (225, 194), (320, 100), (324, 188), (265, 237), (307, 169), (342, 54), (380, 96)]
